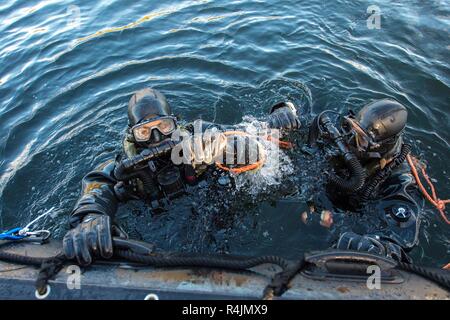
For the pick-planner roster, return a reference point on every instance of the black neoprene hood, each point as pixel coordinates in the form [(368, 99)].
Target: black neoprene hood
[(145, 104), (383, 119)]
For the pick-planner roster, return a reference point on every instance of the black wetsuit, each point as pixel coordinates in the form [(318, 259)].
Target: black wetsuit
[(390, 215), (399, 193)]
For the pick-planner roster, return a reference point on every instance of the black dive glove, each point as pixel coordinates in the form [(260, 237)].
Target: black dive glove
[(371, 244), (92, 237), (284, 116)]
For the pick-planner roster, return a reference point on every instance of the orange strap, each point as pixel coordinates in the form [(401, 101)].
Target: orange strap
[(249, 167), (282, 144), (433, 198)]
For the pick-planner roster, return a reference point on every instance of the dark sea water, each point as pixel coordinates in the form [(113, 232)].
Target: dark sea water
[(68, 69)]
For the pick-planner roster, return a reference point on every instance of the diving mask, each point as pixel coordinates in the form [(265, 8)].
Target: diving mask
[(362, 138), (142, 132), (366, 141)]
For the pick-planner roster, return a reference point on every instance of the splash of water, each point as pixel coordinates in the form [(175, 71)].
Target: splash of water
[(276, 167)]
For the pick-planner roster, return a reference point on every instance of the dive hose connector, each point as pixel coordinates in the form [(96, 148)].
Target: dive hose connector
[(148, 154), (25, 233), (335, 135), (145, 156)]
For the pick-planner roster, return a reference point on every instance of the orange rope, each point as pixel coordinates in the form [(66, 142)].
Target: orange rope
[(282, 144), (249, 167), (446, 267), (433, 198)]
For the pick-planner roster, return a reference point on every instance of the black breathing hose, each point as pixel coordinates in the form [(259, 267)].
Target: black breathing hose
[(356, 172), (382, 174), (356, 180)]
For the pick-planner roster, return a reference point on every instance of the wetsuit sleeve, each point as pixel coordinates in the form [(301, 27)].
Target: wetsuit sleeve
[(97, 194)]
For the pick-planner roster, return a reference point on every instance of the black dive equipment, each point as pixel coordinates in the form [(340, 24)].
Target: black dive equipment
[(383, 122), (171, 182), (382, 174), (147, 103), (323, 126), (142, 167), (145, 156), (150, 120)]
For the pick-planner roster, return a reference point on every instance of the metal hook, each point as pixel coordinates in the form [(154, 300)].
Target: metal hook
[(25, 230), (42, 234)]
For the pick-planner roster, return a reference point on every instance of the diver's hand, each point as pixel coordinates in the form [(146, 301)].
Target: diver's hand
[(353, 241), (204, 148), (371, 244), (91, 238), (284, 116)]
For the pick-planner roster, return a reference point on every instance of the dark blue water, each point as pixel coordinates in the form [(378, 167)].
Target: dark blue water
[(68, 69)]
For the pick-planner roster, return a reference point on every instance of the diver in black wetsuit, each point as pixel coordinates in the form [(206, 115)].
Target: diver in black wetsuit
[(146, 170), (372, 177)]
